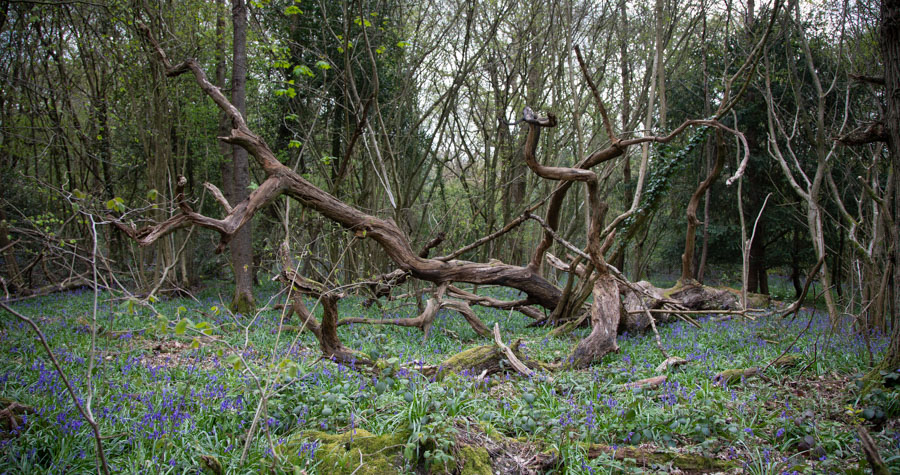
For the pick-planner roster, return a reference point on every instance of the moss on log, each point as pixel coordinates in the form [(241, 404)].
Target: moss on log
[(358, 451)]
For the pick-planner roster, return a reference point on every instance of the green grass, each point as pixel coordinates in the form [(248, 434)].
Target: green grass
[(164, 404)]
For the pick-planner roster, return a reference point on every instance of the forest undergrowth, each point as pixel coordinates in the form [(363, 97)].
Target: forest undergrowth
[(171, 397)]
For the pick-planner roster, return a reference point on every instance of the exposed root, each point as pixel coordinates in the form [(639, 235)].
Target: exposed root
[(605, 314)]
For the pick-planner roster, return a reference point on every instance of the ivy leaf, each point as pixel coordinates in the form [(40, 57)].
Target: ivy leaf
[(294, 144), (322, 64), (293, 10)]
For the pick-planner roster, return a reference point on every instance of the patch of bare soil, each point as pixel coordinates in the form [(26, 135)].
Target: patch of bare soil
[(173, 353)]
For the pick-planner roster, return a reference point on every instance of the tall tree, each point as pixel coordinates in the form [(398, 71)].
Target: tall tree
[(241, 244), (890, 48)]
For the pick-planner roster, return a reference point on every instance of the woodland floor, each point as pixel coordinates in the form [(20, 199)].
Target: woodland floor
[(168, 407)]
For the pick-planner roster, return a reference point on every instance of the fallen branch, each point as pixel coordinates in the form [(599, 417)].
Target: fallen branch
[(649, 457), (510, 356), (871, 452), (656, 334), (648, 383), (671, 362), (729, 376), (522, 306), (11, 414), (70, 283)]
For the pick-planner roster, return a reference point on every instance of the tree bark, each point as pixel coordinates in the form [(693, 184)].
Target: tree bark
[(890, 49), (687, 258), (605, 315), (12, 267), (242, 244)]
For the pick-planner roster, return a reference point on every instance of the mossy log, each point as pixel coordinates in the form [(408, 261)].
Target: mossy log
[(730, 376), (471, 460), (647, 457), (487, 359), (356, 452), (701, 297)]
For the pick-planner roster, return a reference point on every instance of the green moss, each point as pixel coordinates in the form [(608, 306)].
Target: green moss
[(359, 451), (243, 303), (469, 358), (730, 376), (474, 460), (786, 361)]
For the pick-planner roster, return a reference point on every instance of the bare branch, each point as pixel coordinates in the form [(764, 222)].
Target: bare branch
[(603, 114), (865, 134), (217, 194)]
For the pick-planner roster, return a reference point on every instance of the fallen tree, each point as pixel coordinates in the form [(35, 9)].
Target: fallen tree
[(597, 277)]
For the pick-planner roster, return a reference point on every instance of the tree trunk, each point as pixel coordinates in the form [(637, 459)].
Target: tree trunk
[(890, 49), (687, 258), (241, 244), (12, 267), (625, 68), (757, 276), (708, 151), (605, 315), (795, 264)]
